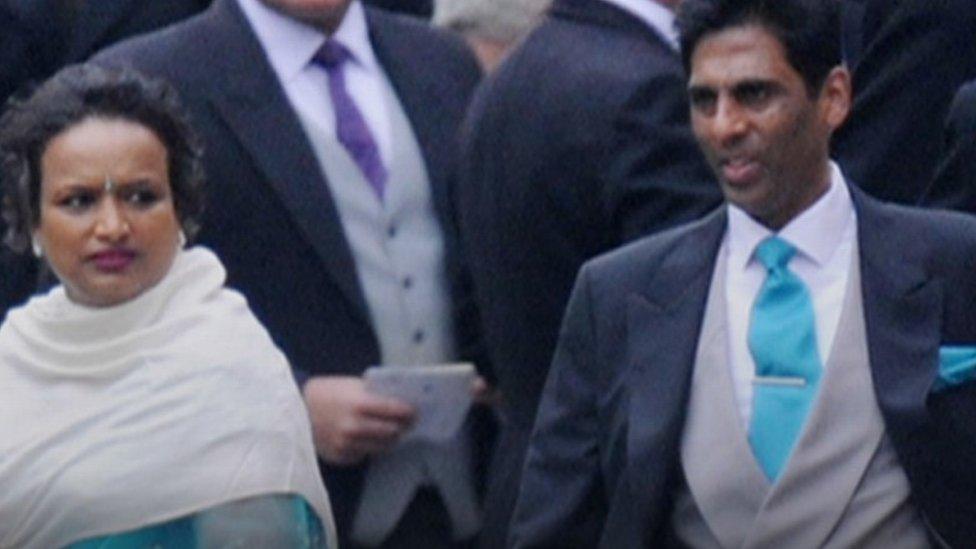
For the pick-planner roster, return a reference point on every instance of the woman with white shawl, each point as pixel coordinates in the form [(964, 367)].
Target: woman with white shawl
[(141, 403)]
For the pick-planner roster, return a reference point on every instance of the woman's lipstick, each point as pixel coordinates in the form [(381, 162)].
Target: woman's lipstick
[(114, 260)]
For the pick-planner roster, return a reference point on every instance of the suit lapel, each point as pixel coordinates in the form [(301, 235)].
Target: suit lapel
[(902, 315), (255, 107), (663, 325)]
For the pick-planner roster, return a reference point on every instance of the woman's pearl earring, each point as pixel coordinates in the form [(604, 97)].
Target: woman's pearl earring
[(36, 247)]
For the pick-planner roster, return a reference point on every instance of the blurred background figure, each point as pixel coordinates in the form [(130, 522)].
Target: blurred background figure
[(491, 27), (908, 58), (37, 37), (31, 41), (954, 184), (152, 409), (578, 143), (18, 279)]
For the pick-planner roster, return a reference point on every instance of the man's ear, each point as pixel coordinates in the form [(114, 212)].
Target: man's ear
[(835, 97)]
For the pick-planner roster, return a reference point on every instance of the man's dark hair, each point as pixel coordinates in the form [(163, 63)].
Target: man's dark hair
[(808, 29), (71, 96)]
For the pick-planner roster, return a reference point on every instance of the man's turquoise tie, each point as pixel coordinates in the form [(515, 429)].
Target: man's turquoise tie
[(783, 342)]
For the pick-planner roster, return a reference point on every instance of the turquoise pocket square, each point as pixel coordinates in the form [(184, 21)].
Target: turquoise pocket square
[(957, 365)]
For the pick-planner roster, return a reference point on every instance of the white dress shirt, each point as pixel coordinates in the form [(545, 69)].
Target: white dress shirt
[(290, 46), (658, 17), (824, 235)]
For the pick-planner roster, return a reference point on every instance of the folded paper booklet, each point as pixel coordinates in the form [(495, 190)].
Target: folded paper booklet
[(440, 392)]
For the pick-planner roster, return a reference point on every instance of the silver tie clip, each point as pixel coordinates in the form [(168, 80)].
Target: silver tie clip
[(780, 381)]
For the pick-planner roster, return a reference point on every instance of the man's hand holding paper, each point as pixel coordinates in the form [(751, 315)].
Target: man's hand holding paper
[(441, 394), (350, 423)]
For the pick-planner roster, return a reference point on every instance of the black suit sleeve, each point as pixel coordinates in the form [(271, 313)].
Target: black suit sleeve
[(655, 176), (954, 185), (920, 54), (560, 503)]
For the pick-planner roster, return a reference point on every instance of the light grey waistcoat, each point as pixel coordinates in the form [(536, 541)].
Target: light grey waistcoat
[(391, 241), (842, 486)]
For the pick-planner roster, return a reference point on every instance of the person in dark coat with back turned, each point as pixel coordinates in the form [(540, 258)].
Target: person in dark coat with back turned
[(954, 184), (909, 58), (40, 36), (579, 143)]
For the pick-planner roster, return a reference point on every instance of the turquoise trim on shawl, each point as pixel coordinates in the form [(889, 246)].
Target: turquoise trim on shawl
[(182, 533), (957, 365), (176, 533)]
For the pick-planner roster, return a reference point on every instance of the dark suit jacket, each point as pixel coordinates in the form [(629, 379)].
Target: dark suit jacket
[(604, 458), (18, 278), (96, 25), (954, 184), (270, 216), (915, 55), (31, 45), (40, 36), (579, 142), (852, 29), (419, 8)]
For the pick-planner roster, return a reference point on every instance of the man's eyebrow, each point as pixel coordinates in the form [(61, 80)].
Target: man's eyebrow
[(699, 88), (74, 188), (754, 83)]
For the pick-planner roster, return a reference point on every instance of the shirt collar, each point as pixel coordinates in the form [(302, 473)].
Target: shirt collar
[(290, 44), (658, 17), (815, 233)]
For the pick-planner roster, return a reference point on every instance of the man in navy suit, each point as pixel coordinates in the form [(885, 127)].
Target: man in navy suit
[(794, 370), (329, 129)]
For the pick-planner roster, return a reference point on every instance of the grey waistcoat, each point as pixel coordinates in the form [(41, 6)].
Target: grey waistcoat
[(842, 486)]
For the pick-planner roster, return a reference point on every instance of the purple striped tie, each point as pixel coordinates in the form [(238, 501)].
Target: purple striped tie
[(351, 128)]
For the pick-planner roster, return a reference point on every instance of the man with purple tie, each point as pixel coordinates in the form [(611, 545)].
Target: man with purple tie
[(329, 128)]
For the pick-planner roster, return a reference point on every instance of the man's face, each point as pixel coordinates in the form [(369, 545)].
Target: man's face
[(764, 135), (323, 14)]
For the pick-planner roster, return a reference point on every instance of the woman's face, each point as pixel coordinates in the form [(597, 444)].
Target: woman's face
[(108, 227)]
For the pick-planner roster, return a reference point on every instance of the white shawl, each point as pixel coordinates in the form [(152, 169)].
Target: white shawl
[(115, 418)]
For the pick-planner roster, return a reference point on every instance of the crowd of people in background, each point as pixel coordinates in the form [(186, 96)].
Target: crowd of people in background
[(595, 202)]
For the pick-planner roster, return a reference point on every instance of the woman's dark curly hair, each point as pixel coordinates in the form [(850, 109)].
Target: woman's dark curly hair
[(77, 93)]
